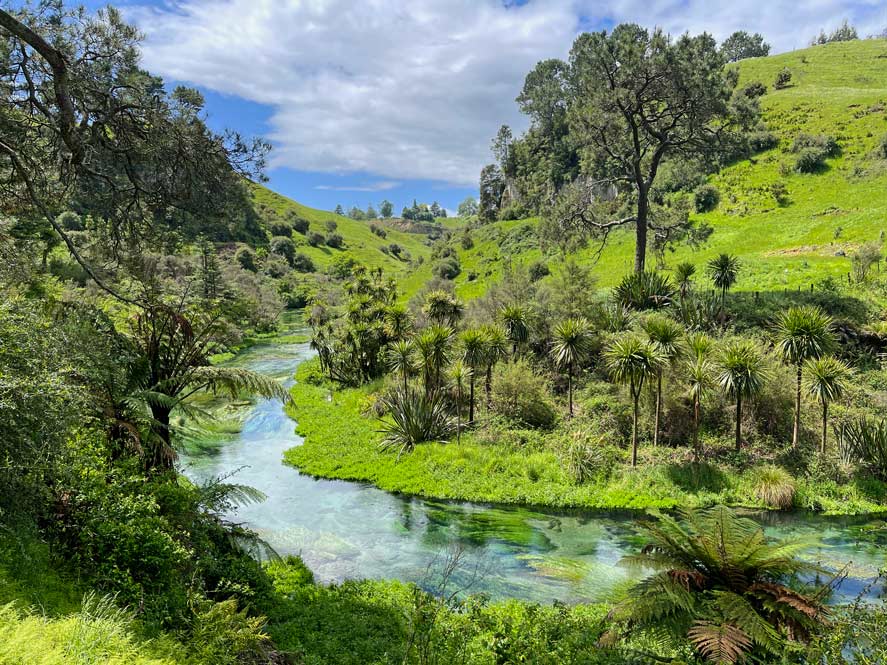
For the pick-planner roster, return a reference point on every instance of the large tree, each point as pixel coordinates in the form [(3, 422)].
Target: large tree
[(82, 126), (741, 45), (639, 98)]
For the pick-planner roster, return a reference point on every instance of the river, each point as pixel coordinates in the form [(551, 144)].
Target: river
[(352, 530)]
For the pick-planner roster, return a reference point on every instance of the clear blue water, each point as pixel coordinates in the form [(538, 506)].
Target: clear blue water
[(352, 530)]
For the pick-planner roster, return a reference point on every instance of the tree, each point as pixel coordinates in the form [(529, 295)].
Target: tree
[(572, 339), (492, 185), (397, 322), (666, 334), (515, 318), (742, 373), (783, 78), (459, 373), (741, 45), (826, 379), (501, 148), (468, 207), (402, 360), (632, 361), (386, 209), (85, 123), (443, 308), (496, 349), (843, 33), (339, 210), (683, 275), (370, 213), (474, 354), (698, 373), (720, 584), (434, 346), (723, 271), (641, 98), (801, 334), (356, 213)]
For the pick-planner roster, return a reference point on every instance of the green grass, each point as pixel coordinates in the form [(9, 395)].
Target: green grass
[(360, 243), (838, 89), (341, 442)]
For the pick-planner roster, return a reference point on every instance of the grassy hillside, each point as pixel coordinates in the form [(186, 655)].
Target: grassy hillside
[(838, 89), (360, 243)]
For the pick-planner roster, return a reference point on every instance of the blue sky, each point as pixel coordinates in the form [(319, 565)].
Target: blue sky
[(379, 99)]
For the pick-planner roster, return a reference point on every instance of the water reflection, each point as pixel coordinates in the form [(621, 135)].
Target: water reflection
[(347, 530)]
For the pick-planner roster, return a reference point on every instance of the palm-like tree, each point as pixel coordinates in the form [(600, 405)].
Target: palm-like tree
[(397, 322), (474, 354), (683, 275), (802, 333), (515, 318), (572, 339), (720, 584), (698, 373), (632, 361), (723, 271), (666, 334), (433, 347), (742, 375), (401, 357), (826, 379), (443, 308), (496, 350), (459, 374)]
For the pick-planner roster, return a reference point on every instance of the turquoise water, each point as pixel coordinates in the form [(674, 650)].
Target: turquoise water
[(352, 530)]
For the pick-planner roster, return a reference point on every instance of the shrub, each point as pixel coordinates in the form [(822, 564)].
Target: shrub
[(865, 442), (315, 239), (774, 487), (645, 290), (300, 225), (343, 266), (335, 240), (822, 142), (447, 268), (414, 418), (755, 89), (395, 250), (522, 395), (513, 211), (810, 160), (283, 247), (331, 225), (467, 241), (779, 190), (538, 270), (246, 258), (280, 228), (302, 263), (783, 79), (584, 457), (706, 197), (882, 147), (762, 140), (378, 230)]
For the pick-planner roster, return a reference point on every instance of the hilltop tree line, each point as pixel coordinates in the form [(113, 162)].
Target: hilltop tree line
[(420, 212)]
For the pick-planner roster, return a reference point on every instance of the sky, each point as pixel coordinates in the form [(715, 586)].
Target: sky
[(365, 100)]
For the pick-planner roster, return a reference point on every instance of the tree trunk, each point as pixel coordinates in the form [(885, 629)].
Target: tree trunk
[(570, 387), (471, 401), (405, 382), (696, 414), (824, 427), (658, 408), (489, 386), (162, 455), (640, 246), (738, 423), (796, 427), (634, 428)]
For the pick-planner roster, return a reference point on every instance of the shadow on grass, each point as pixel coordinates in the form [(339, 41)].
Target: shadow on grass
[(696, 476), (759, 309)]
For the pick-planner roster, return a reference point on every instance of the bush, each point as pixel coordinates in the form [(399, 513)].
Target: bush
[(315, 239), (415, 418), (377, 229), (513, 211), (754, 90), (645, 290), (246, 259), (538, 270), (343, 266), (283, 247), (882, 147), (828, 145), (584, 457), (300, 225), (762, 140), (774, 487), (335, 240), (331, 225), (706, 197), (810, 160), (447, 268), (280, 228), (395, 250), (467, 241), (783, 79), (302, 263), (522, 395)]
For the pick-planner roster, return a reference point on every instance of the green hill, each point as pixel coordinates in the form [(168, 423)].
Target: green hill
[(360, 242), (838, 89)]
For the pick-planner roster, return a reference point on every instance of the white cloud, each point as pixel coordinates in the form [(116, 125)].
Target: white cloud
[(417, 89), (381, 186)]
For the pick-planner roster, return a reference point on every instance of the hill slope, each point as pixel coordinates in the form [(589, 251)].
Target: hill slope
[(838, 89), (360, 242)]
